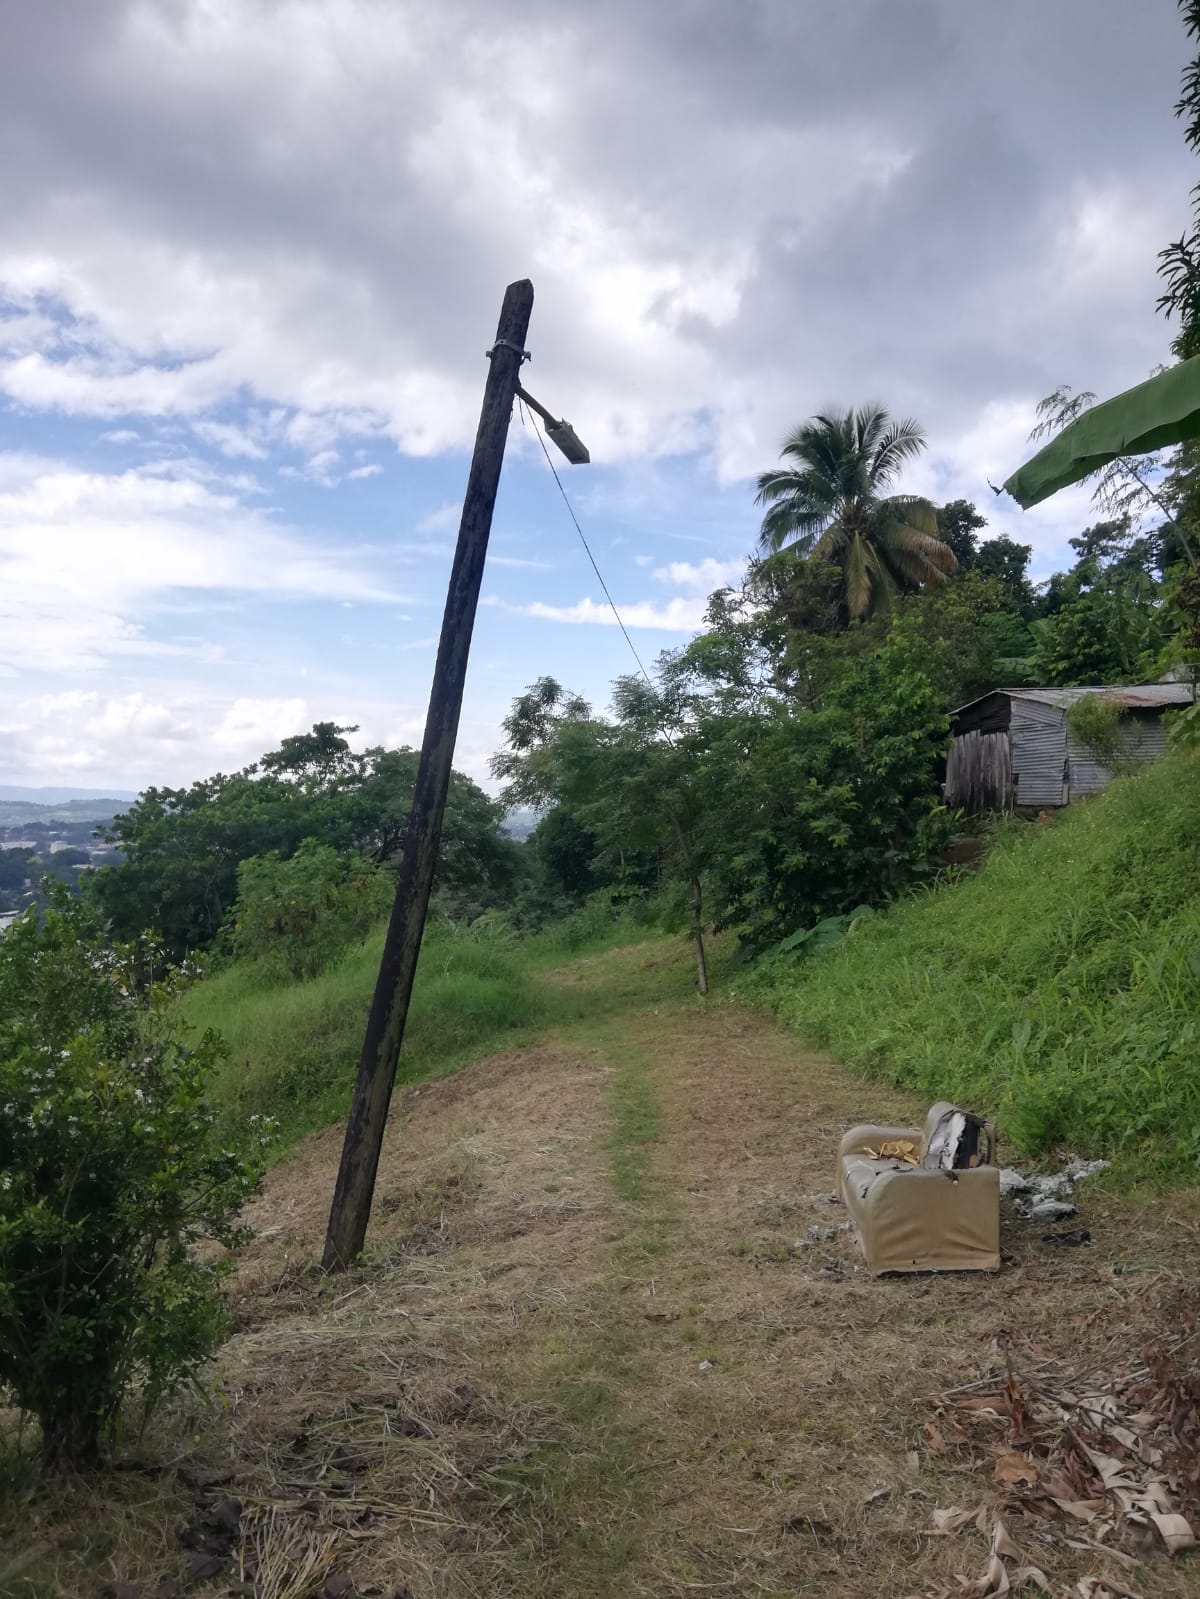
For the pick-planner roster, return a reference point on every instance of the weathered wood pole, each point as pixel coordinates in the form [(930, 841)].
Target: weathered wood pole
[(352, 1196)]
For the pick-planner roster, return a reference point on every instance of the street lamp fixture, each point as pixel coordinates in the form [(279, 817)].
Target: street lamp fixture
[(560, 433)]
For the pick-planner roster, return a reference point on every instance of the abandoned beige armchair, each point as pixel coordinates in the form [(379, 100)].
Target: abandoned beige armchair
[(924, 1199)]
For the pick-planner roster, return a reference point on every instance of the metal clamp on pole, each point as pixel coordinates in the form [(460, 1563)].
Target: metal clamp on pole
[(507, 344)]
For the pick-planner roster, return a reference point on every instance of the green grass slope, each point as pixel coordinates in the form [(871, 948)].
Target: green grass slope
[(294, 1047), (1058, 989)]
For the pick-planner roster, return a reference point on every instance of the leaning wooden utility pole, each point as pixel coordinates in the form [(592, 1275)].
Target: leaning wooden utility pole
[(351, 1209)]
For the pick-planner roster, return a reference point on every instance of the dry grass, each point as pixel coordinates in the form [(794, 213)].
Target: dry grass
[(508, 1397), (798, 1463)]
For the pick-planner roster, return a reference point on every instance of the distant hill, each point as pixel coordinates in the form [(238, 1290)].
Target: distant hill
[(519, 823), (65, 796), (19, 812)]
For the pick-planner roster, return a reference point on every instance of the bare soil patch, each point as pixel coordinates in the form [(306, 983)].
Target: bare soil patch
[(790, 1393)]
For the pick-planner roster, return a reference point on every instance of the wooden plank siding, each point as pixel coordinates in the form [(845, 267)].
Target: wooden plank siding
[(979, 773)]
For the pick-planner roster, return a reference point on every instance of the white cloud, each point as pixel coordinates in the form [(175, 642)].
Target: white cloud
[(373, 469), (257, 725), (679, 615), (444, 520), (286, 227), (85, 557), (702, 577), (285, 206), (230, 439), (142, 738)]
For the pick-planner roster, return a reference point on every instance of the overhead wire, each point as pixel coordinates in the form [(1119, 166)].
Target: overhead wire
[(587, 547)]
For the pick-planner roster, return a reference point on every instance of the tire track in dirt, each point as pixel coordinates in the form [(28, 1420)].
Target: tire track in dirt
[(592, 1351), (780, 1389)]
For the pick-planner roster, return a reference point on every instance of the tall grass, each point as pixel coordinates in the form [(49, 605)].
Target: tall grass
[(294, 1046), (1058, 989)]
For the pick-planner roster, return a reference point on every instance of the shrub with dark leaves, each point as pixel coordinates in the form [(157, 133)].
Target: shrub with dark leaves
[(118, 1205)]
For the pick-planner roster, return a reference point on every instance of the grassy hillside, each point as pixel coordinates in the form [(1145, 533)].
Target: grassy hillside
[(294, 1047), (1059, 988)]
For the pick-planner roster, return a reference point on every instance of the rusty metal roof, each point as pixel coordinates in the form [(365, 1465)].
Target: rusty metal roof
[(1136, 695)]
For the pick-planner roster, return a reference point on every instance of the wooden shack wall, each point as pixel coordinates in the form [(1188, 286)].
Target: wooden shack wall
[(979, 773)]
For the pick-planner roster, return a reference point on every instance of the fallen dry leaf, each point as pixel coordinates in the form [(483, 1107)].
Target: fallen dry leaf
[(1014, 1467), (997, 1579), (1002, 1544), (1176, 1532), (1058, 1488), (934, 1434), (1113, 1473), (995, 1404), (1094, 1546), (954, 1520), (1080, 1509), (1104, 1588)]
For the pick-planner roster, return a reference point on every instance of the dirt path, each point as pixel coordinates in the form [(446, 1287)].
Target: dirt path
[(594, 1350)]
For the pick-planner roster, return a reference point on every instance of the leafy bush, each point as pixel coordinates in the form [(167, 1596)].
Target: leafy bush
[(1059, 987), (810, 941), (111, 1178), (1096, 721), (296, 917)]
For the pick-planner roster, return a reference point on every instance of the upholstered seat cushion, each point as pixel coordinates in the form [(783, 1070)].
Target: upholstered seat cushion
[(910, 1218)]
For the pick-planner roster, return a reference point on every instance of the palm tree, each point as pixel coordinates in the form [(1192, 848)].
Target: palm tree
[(827, 502)]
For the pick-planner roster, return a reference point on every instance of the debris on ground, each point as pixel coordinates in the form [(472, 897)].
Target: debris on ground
[(1048, 1210), (1103, 1460), (1047, 1197)]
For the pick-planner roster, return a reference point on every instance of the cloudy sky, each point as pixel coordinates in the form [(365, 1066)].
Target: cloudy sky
[(252, 252)]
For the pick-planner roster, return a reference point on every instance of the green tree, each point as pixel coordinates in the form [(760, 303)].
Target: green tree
[(957, 523), (629, 781), (1108, 619), (807, 811), (960, 634), (763, 809), (182, 847), (1179, 263), (1132, 490), (17, 867), (1008, 562), (1111, 632), (829, 501), (296, 917), (565, 851), (114, 1186)]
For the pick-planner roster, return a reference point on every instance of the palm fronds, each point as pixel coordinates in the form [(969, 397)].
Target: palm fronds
[(826, 500)]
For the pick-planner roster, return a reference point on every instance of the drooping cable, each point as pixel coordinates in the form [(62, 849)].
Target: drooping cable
[(587, 548)]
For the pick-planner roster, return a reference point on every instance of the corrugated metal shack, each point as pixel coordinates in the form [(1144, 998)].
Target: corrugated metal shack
[(1013, 750)]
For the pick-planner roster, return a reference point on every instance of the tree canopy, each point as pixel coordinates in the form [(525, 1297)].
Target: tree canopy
[(182, 847), (828, 500)]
